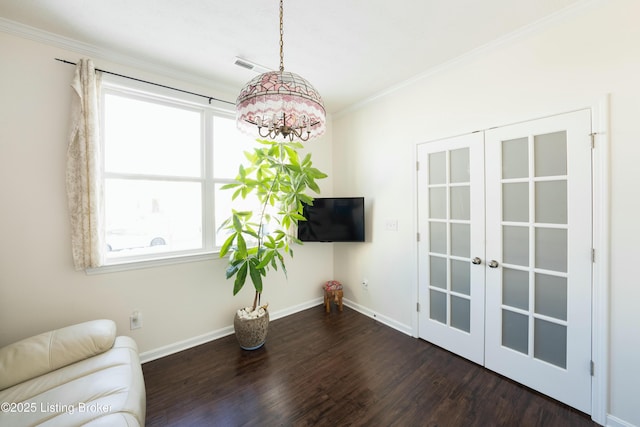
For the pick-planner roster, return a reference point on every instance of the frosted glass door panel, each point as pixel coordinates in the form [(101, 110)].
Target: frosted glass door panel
[(438, 202), (460, 208), (437, 168), (460, 313), (459, 165), (460, 240), (461, 277), (551, 249), (438, 237), (438, 306), (551, 296), (438, 272), (515, 288), (550, 343), (551, 202), (515, 158), (515, 207), (515, 243), (515, 331), (550, 154)]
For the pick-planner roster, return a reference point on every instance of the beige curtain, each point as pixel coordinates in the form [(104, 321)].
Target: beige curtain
[(84, 182)]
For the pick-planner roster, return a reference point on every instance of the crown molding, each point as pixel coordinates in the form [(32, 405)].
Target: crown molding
[(519, 34), (85, 49), (35, 34)]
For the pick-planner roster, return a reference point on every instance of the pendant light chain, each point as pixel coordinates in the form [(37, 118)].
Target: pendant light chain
[(281, 36)]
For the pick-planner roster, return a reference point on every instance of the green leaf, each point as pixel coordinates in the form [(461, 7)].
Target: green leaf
[(224, 224), (293, 154), (266, 260), (305, 199), (286, 221), (245, 215), (241, 278), (231, 270), (249, 156), (313, 186), (230, 185), (317, 174), (245, 191), (236, 193), (295, 144), (270, 242), (284, 267), (237, 223), (251, 232), (242, 244), (298, 217), (256, 277), (227, 244)]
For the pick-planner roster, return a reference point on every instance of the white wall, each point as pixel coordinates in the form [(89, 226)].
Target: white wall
[(39, 288), (566, 63)]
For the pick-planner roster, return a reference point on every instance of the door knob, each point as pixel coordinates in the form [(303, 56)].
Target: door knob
[(493, 264), (476, 261)]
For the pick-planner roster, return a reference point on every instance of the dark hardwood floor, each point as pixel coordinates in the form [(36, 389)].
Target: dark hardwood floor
[(338, 369)]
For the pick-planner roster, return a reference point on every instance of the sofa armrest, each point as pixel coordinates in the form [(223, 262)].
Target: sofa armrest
[(51, 350)]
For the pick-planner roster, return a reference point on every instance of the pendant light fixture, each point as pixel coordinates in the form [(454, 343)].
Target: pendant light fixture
[(280, 104)]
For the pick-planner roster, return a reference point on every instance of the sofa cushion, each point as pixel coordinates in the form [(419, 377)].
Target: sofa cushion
[(52, 350), (104, 390)]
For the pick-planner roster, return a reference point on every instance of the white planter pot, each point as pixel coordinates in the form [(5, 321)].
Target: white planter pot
[(251, 333)]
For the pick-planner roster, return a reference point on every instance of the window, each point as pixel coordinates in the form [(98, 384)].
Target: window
[(164, 163)]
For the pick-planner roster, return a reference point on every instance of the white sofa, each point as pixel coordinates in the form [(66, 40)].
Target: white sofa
[(78, 375)]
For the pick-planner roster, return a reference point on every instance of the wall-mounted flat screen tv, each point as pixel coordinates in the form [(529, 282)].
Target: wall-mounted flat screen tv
[(333, 219)]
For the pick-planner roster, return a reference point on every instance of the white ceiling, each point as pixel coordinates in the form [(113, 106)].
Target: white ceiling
[(348, 49)]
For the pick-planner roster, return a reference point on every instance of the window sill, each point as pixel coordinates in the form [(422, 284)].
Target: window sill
[(150, 263)]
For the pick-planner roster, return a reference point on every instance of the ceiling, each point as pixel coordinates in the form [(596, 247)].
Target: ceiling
[(349, 50)]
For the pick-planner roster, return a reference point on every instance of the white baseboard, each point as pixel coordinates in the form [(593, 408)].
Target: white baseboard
[(167, 350), (617, 422), (295, 309), (405, 329)]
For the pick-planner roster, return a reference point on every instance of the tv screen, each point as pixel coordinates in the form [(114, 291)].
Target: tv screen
[(333, 219)]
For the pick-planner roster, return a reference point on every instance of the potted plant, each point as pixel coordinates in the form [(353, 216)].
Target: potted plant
[(259, 240)]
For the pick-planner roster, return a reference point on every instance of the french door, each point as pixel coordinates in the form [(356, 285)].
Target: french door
[(505, 252), (451, 247)]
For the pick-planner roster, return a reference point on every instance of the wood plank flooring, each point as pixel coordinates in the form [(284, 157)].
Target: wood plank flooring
[(338, 369)]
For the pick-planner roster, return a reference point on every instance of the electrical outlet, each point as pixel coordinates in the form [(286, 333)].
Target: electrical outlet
[(135, 320), (391, 225)]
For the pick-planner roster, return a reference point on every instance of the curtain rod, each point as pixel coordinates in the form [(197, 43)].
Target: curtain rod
[(210, 98)]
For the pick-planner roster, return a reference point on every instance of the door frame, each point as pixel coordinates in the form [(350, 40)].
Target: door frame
[(601, 235)]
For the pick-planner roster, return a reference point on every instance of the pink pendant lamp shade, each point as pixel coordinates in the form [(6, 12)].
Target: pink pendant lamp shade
[(272, 94), (280, 104)]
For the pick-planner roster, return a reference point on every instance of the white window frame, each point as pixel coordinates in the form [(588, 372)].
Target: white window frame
[(164, 96)]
